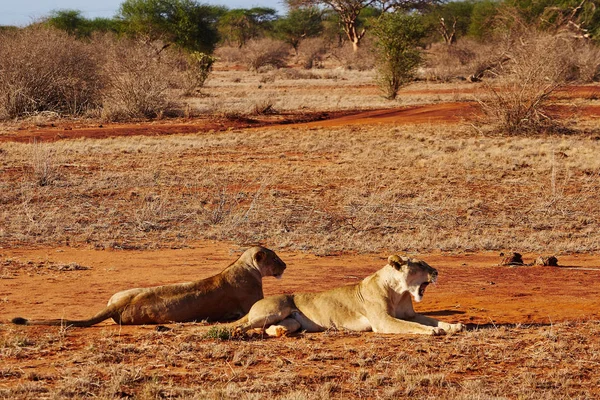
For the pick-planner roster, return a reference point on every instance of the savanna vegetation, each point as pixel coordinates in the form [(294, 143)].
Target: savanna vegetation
[(519, 172), (173, 43)]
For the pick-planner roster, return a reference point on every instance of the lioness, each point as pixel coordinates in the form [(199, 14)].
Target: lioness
[(380, 303), (225, 296)]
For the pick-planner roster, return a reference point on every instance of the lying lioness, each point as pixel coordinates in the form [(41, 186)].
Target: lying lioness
[(225, 296), (380, 303)]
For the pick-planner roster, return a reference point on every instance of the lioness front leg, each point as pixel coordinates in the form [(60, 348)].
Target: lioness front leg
[(448, 328), (390, 324)]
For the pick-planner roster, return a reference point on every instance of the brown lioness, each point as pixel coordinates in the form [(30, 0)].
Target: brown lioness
[(225, 296), (380, 303)]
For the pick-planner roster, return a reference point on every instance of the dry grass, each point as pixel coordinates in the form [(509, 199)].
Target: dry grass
[(529, 362), (323, 190)]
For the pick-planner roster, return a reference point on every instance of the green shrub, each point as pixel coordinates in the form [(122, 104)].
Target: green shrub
[(398, 57)]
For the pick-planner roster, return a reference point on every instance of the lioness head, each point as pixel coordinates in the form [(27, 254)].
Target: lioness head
[(413, 275), (267, 262)]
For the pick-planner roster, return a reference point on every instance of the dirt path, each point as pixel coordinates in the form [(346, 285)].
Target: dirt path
[(470, 289), (442, 113)]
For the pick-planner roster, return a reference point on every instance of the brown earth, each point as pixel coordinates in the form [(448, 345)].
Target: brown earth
[(472, 288), (515, 315), (454, 112)]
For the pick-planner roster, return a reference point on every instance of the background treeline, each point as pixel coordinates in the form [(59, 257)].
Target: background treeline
[(200, 27)]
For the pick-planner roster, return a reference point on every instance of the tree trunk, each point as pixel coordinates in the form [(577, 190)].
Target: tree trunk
[(353, 36)]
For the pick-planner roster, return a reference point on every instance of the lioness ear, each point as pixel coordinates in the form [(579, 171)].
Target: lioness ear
[(396, 261), (259, 256)]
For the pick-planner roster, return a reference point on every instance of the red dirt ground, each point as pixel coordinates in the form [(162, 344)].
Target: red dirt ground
[(427, 113), (471, 289)]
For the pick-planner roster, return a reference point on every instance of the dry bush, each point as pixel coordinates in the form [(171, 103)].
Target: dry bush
[(259, 53), (229, 54), (256, 54), (44, 69), (196, 70), (139, 81), (461, 60), (311, 52), (583, 60), (517, 101), (361, 60)]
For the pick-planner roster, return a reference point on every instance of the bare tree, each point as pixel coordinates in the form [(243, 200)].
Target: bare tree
[(349, 11)]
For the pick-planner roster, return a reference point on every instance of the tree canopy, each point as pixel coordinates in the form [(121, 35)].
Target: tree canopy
[(190, 25), (349, 12), (237, 26), (298, 24)]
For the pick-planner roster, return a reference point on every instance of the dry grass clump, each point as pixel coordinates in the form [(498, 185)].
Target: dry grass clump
[(45, 69), (44, 166), (463, 60), (518, 100), (256, 54), (529, 362)]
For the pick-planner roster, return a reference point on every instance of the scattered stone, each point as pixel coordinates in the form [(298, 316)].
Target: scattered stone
[(513, 259), (162, 328), (549, 261)]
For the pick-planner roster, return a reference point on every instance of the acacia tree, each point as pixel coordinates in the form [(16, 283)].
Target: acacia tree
[(298, 24), (398, 36), (240, 25), (74, 23), (350, 10), (190, 25)]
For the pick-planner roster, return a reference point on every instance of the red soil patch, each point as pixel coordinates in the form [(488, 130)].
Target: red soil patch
[(428, 113), (471, 288), (442, 113), (68, 130)]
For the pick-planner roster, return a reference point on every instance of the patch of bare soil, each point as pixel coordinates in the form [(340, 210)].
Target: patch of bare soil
[(520, 320), (68, 130), (453, 112), (472, 287)]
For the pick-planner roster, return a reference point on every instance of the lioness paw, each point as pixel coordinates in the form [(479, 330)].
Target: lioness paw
[(437, 332), (276, 330)]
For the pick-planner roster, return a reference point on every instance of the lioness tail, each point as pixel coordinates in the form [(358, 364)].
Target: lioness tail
[(105, 314)]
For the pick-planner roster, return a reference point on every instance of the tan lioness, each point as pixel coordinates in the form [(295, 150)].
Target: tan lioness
[(225, 296), (380, 303)]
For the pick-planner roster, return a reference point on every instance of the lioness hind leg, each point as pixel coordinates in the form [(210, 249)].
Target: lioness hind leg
[(284, 327)]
